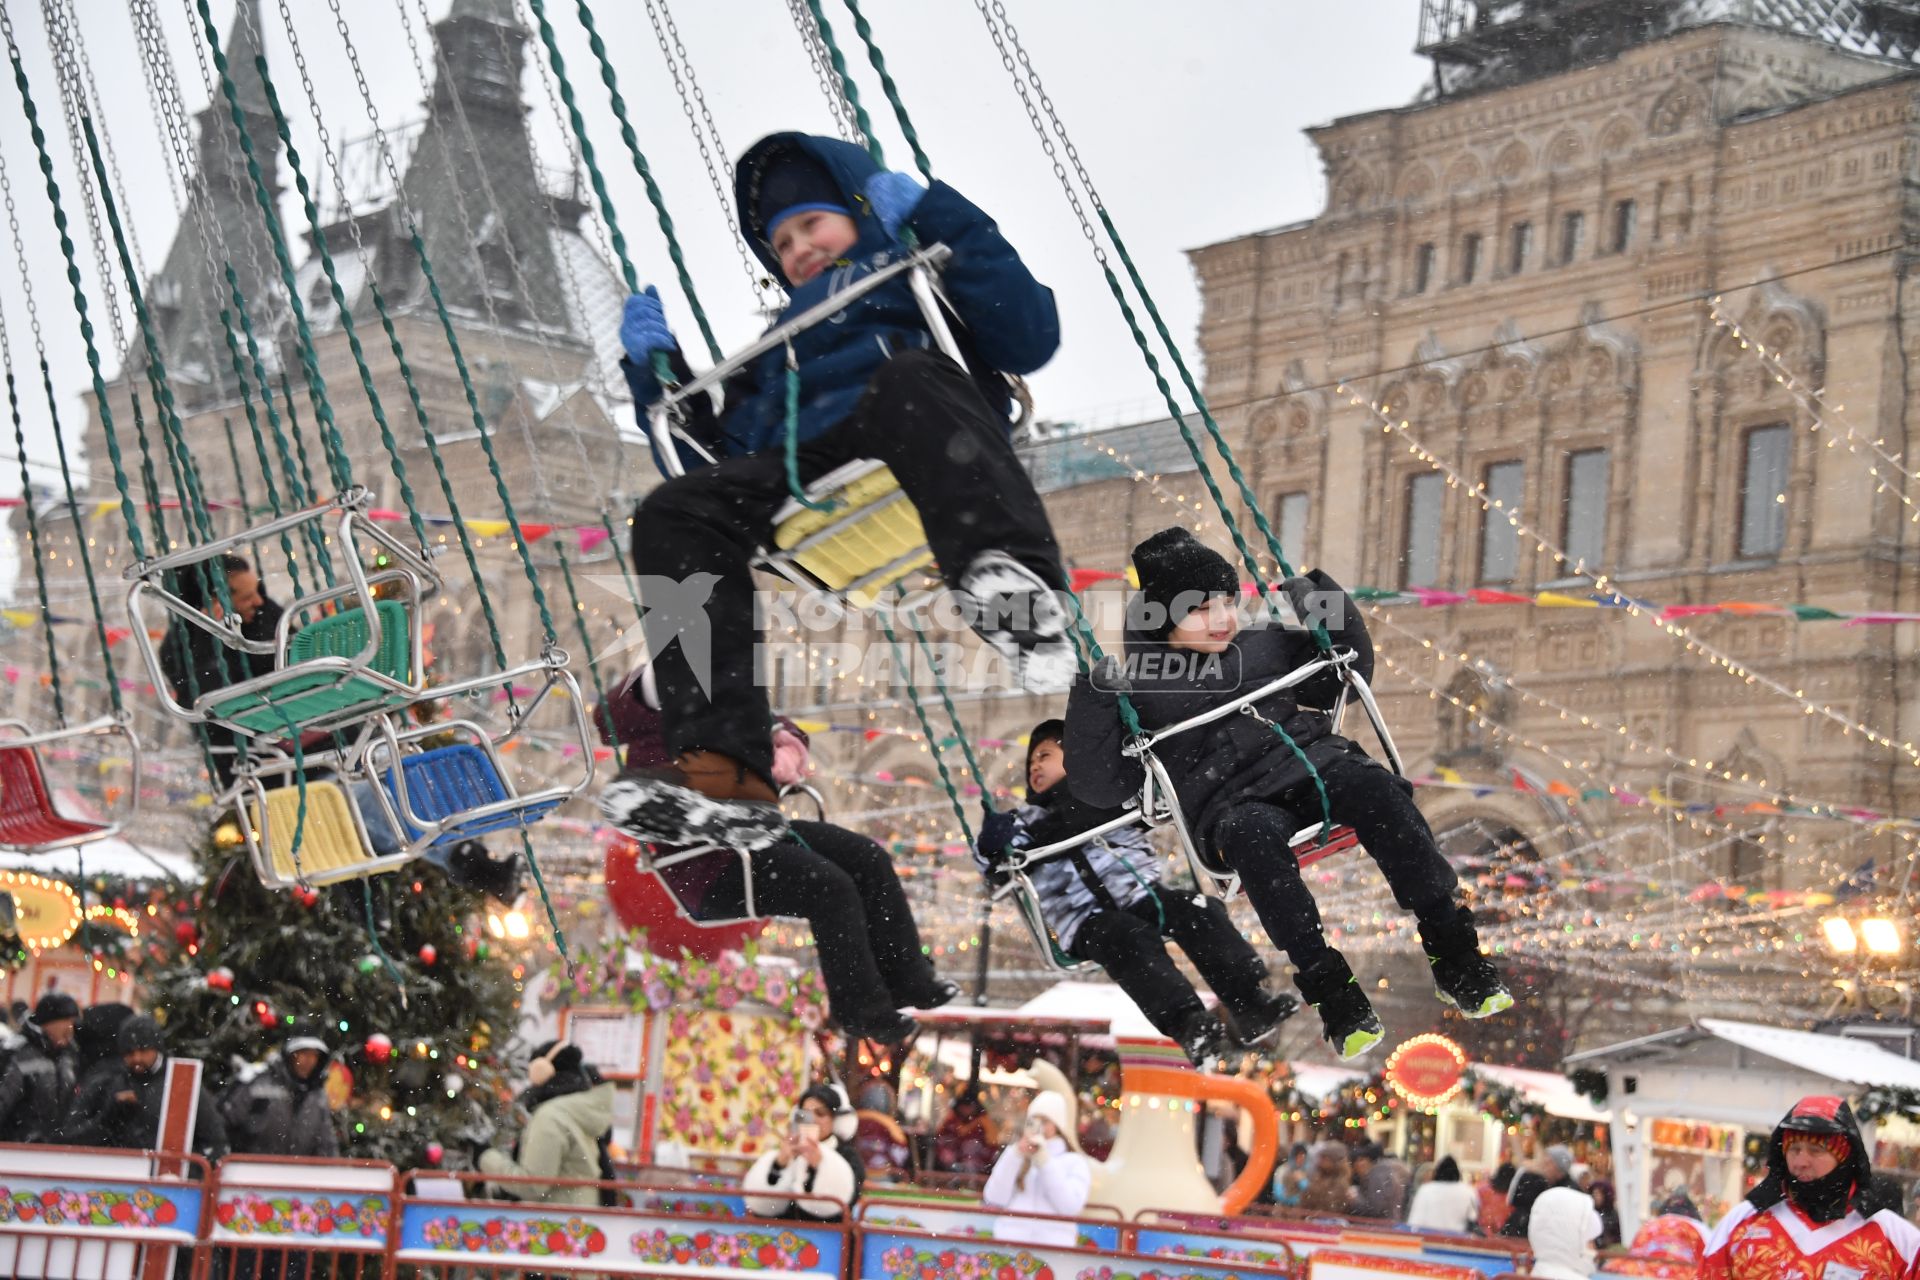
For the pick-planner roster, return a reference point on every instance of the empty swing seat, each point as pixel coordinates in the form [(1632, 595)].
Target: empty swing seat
[(331, 844), (28, 821), (868, 539), (446, 782), (304, 697)]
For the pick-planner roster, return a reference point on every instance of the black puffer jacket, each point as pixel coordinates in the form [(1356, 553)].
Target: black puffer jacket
[(36, 1088), (278, 1114), (1848, 1187), (100, 1119), (1236, 758)]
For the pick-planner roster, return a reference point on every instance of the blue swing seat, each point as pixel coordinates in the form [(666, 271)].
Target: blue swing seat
[(448, 781)]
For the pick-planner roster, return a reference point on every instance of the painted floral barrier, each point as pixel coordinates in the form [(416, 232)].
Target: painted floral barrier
[(576, 1238), (894, 1255), (156, 1211), (338, 1220), (966, 1224), (1200, 1247)]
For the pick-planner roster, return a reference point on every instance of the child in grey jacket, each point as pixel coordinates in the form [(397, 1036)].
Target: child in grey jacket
[(1104, 902)]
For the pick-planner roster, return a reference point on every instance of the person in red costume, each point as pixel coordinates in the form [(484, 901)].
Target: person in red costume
[(1805, 1221)]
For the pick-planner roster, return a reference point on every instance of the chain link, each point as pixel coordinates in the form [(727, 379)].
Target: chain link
[(844, 121), (60, 43), (706, 135), (20, 254)]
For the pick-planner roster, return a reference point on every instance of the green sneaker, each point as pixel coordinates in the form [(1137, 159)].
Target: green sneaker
[(1351, 1025), (1471, 984)]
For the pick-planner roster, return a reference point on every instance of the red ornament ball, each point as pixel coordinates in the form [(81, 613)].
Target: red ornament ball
[(220, 979), (186, 933), (305, 895), (429, 953), (379, 1047), (435, 1153)]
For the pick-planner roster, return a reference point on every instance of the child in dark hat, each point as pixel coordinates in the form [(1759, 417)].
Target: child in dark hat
[(871, 384), (1244, 789), (1104, 902)]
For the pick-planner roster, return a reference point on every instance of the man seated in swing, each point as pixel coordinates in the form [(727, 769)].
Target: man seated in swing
[(195, 663), (870, 384), (841, 883)]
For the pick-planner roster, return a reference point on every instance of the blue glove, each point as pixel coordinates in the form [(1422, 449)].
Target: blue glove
[(643, 327), (999, 832), (894, 197)]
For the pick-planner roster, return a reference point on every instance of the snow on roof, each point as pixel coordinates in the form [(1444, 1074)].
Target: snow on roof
[(1839, 1057), (1318, 1080), (109, 857), (1842, 1058), (1104, 1001), (1545, 1089)]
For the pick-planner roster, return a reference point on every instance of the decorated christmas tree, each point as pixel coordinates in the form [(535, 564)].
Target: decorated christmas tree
[(398, 973)]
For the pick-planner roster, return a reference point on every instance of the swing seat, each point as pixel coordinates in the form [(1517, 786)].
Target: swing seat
[(333, 845), (1309, 848), (304, 697), (28, 821), (1026, 902), (460, 792), (871, 536), (329, 674), (868, 539), (642, 899)]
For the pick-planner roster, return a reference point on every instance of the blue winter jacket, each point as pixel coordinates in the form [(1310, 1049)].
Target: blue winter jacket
[(1007, 319)]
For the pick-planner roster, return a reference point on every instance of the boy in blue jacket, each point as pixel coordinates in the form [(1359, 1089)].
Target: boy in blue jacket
[(872, 385)]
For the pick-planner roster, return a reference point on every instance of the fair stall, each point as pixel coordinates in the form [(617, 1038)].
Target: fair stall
[(1688, 1106)]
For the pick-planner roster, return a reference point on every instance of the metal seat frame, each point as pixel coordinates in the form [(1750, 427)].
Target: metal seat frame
[(1159, 805), (667, 414), (249, 797), (17, 735), (347, 520), (653, 864), (385, 746)]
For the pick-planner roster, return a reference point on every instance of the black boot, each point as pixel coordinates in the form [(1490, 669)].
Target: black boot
[(1347, 1016), (1262, 1029), (1462, 976), (1204, 1041), (702, 798)]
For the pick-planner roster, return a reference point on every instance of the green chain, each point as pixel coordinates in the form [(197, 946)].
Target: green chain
[(792, 447), (953, 717), (269, 216), (879, 61), (852, 90), (68, 253), (395, 463), (901, 663), (297, 495), (641, 167), (33, 536), (260, 446)]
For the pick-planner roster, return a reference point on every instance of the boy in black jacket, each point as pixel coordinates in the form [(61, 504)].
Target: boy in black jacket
[(1244, 790)]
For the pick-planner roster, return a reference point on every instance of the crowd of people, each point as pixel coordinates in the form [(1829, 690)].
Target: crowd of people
[(97, 1078)]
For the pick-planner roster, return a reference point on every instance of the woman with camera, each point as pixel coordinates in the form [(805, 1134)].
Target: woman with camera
[(1045, 1173), (808, 1178)]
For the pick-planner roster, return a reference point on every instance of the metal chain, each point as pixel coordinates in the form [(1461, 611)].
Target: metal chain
[(706, 135), (162, 112), (844, 121), (99, 111), (61, 44)]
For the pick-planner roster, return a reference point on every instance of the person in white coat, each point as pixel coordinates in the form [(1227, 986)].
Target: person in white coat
[(1561, 1233), (1044, 1172), (809, 1162), (1443, 1202)]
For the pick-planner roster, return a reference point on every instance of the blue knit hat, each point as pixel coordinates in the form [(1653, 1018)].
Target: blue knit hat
[(792, 182)]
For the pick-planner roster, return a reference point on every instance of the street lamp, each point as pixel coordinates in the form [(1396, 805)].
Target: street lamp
[(1878, 934), (1881, 935)]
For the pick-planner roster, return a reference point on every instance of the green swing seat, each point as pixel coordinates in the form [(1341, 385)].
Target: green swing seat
[(307, 696)]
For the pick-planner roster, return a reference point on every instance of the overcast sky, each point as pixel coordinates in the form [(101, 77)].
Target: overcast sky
[(1189, 120)]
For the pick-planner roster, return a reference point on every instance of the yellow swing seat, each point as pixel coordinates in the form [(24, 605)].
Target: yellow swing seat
[(868, 539)]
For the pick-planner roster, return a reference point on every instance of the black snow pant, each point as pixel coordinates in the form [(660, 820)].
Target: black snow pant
[(844, 886), (1130, 944), (924, 418), (1252, 838)]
